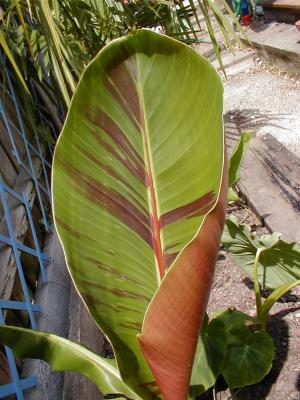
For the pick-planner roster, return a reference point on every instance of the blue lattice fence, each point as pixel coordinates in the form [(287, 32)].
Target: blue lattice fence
[(33, 163)]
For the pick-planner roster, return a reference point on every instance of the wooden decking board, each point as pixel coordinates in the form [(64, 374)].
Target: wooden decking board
[(291, 4), (270, 181), (20, 223)]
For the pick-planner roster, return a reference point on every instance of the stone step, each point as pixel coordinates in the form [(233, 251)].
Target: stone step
[(237, 63), (281, 10), (278, 44)]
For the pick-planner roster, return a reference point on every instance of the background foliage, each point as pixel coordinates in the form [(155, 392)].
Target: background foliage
[(53, 41)]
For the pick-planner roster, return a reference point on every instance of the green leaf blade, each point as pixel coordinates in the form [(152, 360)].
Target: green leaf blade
[(9, 55), (129, 192), (210, 357), (249, 352), (249, 358), (279, 262), (65, 355), (237, 157), (275, 296)]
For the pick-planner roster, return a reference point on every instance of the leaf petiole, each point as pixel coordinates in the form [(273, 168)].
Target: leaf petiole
[(256, 284), (275, 296)]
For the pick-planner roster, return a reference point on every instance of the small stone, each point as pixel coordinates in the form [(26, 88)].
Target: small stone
[(297, 315)]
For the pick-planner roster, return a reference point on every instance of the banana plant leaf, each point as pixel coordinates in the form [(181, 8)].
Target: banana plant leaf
[(279, 261), (65, 355), (139, 198), (237, 157), (7, 51), (235, 162), (210, 356)]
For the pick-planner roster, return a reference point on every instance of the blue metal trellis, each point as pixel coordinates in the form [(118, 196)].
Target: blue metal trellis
[(33, 149)]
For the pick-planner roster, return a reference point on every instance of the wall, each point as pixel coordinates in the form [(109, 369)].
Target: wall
[(35, 288)]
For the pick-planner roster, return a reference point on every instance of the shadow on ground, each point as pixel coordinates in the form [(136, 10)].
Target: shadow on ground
[(252, 119), (286, 298)]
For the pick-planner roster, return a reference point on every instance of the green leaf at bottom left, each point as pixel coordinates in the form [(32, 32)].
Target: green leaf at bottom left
[(65, 355)]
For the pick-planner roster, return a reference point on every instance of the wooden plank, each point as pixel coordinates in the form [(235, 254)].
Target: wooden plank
[(6, 143), (31, 265), (270, 181), (7, 169), (20, 224), (4, 370), (11, 114), (40, 233), (290, 4), (5, 377)]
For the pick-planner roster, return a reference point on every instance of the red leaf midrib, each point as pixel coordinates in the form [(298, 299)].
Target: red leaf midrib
[(154, 219)]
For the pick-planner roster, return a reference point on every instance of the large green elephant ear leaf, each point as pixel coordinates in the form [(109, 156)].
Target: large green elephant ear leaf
[(278, 260), (137, 174)]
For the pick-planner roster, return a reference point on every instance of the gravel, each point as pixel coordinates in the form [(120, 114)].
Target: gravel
[(268, 101)]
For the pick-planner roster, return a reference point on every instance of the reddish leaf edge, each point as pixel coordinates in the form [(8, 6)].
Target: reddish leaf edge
[(174, 316)]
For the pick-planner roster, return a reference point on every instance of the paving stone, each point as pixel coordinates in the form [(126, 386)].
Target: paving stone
[(279, 44)]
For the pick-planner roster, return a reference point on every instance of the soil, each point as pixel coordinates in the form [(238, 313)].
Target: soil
[(232, 288)]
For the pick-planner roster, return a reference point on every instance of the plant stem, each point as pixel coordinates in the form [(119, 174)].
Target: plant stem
[(256, 285)]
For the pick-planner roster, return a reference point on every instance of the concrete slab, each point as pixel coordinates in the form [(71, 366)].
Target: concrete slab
[(239, 57), (279, 35), (238, 63), (240, 68), (279, 44)]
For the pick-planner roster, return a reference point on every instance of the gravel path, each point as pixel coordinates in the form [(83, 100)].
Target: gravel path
[(266, 101)]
